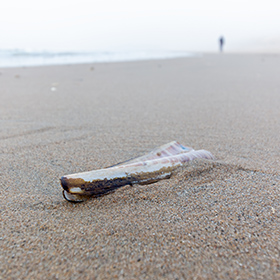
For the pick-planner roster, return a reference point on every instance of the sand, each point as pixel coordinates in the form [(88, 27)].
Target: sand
[(212, 220)]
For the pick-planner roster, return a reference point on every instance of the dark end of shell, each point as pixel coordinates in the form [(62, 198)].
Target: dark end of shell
[(63, 181)]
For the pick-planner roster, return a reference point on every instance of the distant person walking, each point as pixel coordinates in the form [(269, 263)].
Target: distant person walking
[(222, 42)]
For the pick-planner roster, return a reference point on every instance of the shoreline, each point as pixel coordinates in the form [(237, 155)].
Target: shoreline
[(21, 58), (79, 59)]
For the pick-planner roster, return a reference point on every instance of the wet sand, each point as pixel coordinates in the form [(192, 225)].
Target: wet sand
[(212, 220)]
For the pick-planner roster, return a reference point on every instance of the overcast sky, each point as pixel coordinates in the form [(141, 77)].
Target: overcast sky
[(137, 25)]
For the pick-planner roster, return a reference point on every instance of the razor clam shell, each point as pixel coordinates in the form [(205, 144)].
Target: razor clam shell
[(149, 168)]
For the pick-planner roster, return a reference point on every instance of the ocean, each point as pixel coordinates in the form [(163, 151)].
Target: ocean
[(24, 58)]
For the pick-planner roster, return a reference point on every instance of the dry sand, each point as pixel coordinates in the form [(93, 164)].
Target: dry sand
[(212, 220)]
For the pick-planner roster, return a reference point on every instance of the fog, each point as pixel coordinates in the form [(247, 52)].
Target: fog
[(129, 25)]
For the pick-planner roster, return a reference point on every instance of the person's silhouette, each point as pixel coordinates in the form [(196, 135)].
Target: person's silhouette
[(222, 42)]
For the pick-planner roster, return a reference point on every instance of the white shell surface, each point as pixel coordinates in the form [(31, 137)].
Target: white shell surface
[(141, 167)]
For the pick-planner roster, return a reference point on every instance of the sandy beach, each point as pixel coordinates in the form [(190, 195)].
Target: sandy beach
[(211, 220)]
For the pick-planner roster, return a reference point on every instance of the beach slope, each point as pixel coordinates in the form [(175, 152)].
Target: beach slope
[(215, 219)]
